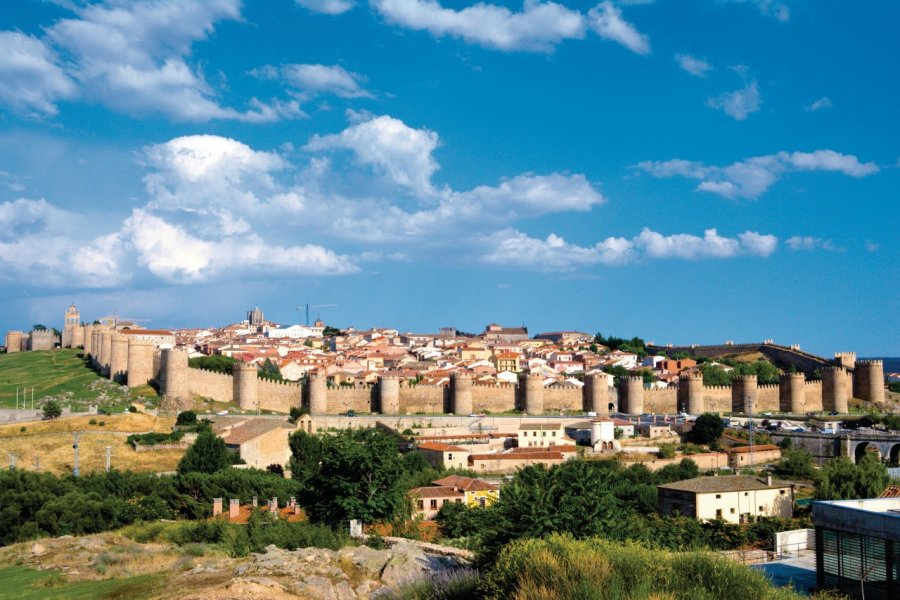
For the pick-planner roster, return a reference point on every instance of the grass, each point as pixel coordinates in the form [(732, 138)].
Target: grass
[(22, 583), (51, 442), (61, 374)]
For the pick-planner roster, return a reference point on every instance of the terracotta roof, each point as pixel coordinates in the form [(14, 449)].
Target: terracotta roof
[(540, 426), (439, 447), (252, 429), (436, 491), (468, 484), (757, 448), (892, 491), (729, 483), (541, 454), (564, 448)]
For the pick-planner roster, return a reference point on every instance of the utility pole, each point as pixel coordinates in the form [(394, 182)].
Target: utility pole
[(107, 458), (75, 470), (32, 399), (37, 463), (751, 433), (12, 461)]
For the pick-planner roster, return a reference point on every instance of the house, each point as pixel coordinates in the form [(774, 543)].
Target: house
[(654, 430), (429, 499), (477, 491), (539, 435), (498, 333), (260, 442), (506, 361), (858, 546), (512, 460), (677, 366), (603, 435), (444, 456), (743, 456), (732, 498)]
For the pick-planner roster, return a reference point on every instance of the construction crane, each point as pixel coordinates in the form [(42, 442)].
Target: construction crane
[(306, 307)]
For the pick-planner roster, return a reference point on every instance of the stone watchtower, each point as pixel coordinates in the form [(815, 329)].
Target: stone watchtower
[(868, 380), (72, 333), (631, 394), (389, 395), (14, 341), (105, 351), (531, 386), (461, 393), (244, 381), (140, 362), (690, 393), (744, 394), (88, 335), (317, 393), (596, 394), (792, 393), (834, 389), (175, 377), (118, 357)]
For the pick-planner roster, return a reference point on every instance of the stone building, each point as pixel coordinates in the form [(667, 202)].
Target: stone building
[(732, 498)]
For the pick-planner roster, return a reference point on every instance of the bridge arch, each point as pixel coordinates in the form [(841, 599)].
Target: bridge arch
[(893, 455), (864, 447)]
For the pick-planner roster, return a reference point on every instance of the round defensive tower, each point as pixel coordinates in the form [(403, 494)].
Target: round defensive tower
[(690, 393), (317, 388), (532, 386), (868, 384), (834, 390), (389, 390), (596, 394), (631, 390), (140, 362), (461, 393), (105, 351), (175, 369), (98, 347), (14, 341), (744, 394), (118, 357), (792, 392), (245, 386), (88, 340)]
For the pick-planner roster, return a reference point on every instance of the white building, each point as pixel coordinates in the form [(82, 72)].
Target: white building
[(295, 332)]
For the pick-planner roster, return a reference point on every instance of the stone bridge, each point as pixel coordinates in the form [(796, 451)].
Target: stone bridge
[(855, 444)]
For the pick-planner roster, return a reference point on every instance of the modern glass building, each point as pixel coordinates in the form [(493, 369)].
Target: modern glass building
[(858, 547)]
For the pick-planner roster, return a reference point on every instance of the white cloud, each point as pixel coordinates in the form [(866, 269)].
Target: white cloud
[(819, 104), (693, 65), (810, 243), (738, 104), (31, 80), (132, 58), (537, 28), (752, 177), (402, 153), (606, 20), (327, 7), (511, 247), (771, 8), (325, 79)]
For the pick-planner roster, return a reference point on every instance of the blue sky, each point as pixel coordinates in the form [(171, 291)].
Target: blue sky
[(688, 171)]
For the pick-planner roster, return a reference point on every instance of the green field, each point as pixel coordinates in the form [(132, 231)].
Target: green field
[(61, 374), (22, 583)]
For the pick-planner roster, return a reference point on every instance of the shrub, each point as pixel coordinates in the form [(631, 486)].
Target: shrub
[(101, 423), (52, 409), (667, 451), (22, 429), (92, 422), (187, 417)]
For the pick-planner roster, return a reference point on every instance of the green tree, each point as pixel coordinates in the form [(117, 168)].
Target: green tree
[(215, 362), (269, 370), (187, 417), (354, 474), (840, 479), (330, 331), (52, 409), (207, 454), (797, 462), (666, 451), (38, 327), (708, 427)]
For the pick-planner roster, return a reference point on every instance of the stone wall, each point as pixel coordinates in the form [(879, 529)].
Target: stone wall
[(563, 398), (277, 396), (661, 401), (493, 398), (210, 384), (424, 399), (343, 398)]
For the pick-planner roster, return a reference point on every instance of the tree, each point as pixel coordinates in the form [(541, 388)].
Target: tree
[(270, 370), (330, 331), (207, 454), (38, 327), (666, 451), (187, 417), (797, 462), (215, 362), (840, 479), (52, 409), (354, 474), (708, 427)]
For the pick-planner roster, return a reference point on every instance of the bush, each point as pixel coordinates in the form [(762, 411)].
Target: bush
[(187, 417), (667, 451), (52, 409), (92, 422), (708, 427), (207, 454)]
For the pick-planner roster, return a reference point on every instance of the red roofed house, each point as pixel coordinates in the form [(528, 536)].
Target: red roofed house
[(444, 456)]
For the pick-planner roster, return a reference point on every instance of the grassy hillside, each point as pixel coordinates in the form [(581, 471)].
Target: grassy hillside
[(51, 442), (60, 374)]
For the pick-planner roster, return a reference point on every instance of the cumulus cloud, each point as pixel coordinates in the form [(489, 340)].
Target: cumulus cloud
[(738, 104), (537, 28), (133, 58), (770, 8), (819, 104), (810, 243), (327, 7), (402, 153), (514, 248), (606, 20), (31, 80), (693, 65), (319, 79), (752, 177)]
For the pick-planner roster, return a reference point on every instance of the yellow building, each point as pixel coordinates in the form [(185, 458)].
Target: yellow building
[(428, 500), (506, 361), (477, 491)]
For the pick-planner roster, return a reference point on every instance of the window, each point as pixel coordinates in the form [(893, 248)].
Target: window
[(420, 504), (459, 500), (782, 492), (745, 493), (450, 456), (718, 496), (718, 513), (732, 511), (760, 509), (554, 434)]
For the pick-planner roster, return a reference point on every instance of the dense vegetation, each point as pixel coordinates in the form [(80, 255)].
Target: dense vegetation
[(634, 345), (765, 371), (214, 362), (707, 427)]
